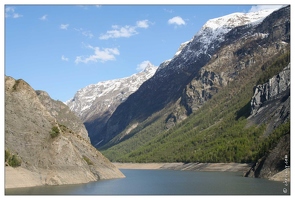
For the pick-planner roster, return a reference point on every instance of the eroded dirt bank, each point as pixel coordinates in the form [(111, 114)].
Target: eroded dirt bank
[(233, 167), (223, 167)]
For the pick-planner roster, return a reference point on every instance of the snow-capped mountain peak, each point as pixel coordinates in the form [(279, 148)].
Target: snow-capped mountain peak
[(149, 68), (215, 29), (237, 19), (96, 98), (182, 45), (212, 34)]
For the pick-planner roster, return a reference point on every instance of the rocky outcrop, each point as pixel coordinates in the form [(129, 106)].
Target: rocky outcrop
[(271, 106), (66, 157), (63, 114), (275, 162), (268, 91), (201, 89), (271, 101)]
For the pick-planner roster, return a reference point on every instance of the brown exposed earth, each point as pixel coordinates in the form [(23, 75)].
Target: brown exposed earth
[(223, 167), (233, 167), (45, 143)]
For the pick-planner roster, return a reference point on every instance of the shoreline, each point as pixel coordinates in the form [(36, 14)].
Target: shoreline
[(30, 179), (205, 167), (232, 167), (20, 177)]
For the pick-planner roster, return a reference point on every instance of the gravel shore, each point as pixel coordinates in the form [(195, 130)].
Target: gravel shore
[(222, 167), (19, 177), (233, 167)]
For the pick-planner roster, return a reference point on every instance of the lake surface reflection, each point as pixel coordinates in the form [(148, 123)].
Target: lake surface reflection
[(166, 182)]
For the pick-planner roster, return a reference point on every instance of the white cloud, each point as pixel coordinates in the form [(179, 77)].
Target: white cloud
[(118, 32), (101, 55), (264, 7), (143, 65), (84, 32), (64, 58), (167, 10), (87, 34), (44, 17), (176, 20), (142, 24), (64, 26), (10, 12), (16, 15), (125, 31), (83, 7), (9, 9)]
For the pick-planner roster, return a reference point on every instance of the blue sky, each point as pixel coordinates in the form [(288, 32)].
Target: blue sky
[(63, 48)]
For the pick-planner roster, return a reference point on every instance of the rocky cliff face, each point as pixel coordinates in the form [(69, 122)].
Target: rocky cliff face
[(244, 47), (65, 158), (216, 56), (271, 105)]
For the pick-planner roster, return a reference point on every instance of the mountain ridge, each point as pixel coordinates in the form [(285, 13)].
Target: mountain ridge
[(90, 89), (172, 77), (208, 122), (95, 103)]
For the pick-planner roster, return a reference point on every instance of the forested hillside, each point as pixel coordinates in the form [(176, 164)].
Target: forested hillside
[(212, 120), (218, 132)]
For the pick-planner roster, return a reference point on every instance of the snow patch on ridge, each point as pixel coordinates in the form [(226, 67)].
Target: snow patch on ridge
[(108, 91), (216, 28), (213, 31)]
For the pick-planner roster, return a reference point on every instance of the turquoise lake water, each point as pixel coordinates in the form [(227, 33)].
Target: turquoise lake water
[(166, 182)]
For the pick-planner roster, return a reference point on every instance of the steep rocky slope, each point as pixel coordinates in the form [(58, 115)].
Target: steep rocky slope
[(62, 114), (211, 120), (47, 141), (244, 48), (270, 105), (95, 103), (216, 56)]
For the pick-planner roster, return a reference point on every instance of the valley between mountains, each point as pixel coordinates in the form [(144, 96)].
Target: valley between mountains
[(223, 98)]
